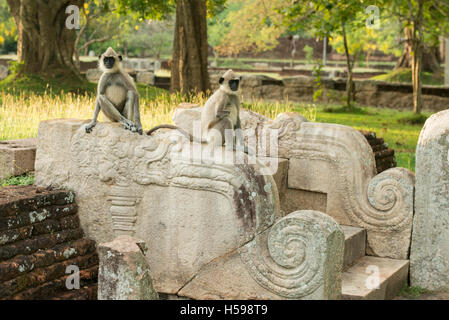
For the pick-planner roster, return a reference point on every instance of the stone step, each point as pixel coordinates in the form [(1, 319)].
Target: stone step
[(373, 278), (355, 244)]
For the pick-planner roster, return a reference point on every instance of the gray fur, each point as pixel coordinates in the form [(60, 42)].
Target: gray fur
[(222, 112), (117, 96)]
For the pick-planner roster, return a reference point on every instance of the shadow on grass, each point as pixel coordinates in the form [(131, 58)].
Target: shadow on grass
[(348, 109), (413, 119)]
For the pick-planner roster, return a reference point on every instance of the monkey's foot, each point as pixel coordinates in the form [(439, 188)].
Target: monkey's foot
[(89, 127), (128, 125), (139, 129)]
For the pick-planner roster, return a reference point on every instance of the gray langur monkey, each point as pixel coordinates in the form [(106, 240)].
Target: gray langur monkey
[(117, 95), (221, 112)]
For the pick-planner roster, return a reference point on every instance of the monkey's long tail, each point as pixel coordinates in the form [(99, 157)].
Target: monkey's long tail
[(169, 126)]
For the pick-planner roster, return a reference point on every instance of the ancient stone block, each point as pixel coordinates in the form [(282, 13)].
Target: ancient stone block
[(299, 257), (4, 72), (429, 257), (146, 77), (124, 271), (143, 186), (93, 75), (332, 168), (17, 157), (299, 81), (338, 161)]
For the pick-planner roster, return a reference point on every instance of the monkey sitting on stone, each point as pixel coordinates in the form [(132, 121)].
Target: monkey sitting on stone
[(117, 95), (220, 113)]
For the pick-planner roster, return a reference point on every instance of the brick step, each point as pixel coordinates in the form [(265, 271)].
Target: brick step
[(359, 280), (355, 245)]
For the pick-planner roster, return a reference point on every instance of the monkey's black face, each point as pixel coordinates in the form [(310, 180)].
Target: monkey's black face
[(234, 84), (109, 62)]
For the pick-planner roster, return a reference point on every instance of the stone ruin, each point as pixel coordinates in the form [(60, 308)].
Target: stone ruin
[(40, 237), (429, 258), (312, 229)]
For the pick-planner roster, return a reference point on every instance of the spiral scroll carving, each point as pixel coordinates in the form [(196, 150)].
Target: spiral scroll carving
[(288, 260), (390, 193)]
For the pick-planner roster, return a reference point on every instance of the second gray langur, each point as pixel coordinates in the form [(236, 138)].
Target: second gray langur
[(220, 113), (117, 95)]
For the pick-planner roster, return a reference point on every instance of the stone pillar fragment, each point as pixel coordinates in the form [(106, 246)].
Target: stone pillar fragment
[(429, 257), (124, 272)]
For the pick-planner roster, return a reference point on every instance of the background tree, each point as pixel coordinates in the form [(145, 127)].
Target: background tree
[(152, 38), (8, 30), (45, 45), (421, 20), (98, 26), (247, 25), (364, 42), (190, 49), (329, 18)]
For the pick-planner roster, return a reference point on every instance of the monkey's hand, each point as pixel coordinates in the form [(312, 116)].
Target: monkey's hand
[(223, 114), (89, 126), (139, 128)]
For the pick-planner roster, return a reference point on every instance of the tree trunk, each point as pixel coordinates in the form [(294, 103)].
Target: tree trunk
[(430, 55), (189, 72), (417, 58), (349, 81), (45, 45)]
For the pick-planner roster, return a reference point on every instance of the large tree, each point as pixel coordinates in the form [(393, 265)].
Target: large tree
[(421, 19), (189, 63), (45, 45)]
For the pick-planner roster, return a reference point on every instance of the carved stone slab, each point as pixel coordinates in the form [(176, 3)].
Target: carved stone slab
[(429, 257), (332, 169), (194, 214)]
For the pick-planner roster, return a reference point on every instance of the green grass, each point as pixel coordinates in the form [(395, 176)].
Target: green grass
[(412, 292), (386, 123), (32, 84), (26, 102), (22, 180), (405, 76)]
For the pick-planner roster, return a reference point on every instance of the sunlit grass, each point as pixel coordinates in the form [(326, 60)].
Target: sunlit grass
[(21, 113)]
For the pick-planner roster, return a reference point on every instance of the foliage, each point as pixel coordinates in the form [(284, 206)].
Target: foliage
[(23, 180), (308, 52), (404, 75), (245, 25), (368, 40), (317, 70), (8, 29), (413, 292), (154, 38)]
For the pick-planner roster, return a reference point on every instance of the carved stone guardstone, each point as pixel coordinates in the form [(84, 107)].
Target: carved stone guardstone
[(429, 257), (199, 218), (124, 272), (331, 168)]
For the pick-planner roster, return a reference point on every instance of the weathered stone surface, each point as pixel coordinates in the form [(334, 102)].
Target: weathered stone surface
[(373, 278), (17, 157), (124, 271), (146, 77), (4, 72), (40, 238), (332, 169), (151, 188), (93, 75), (299, 257), (429, 258), (355, 244)]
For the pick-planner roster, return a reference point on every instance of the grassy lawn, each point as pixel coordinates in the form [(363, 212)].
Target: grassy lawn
[(24, 104), (386, 123)]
